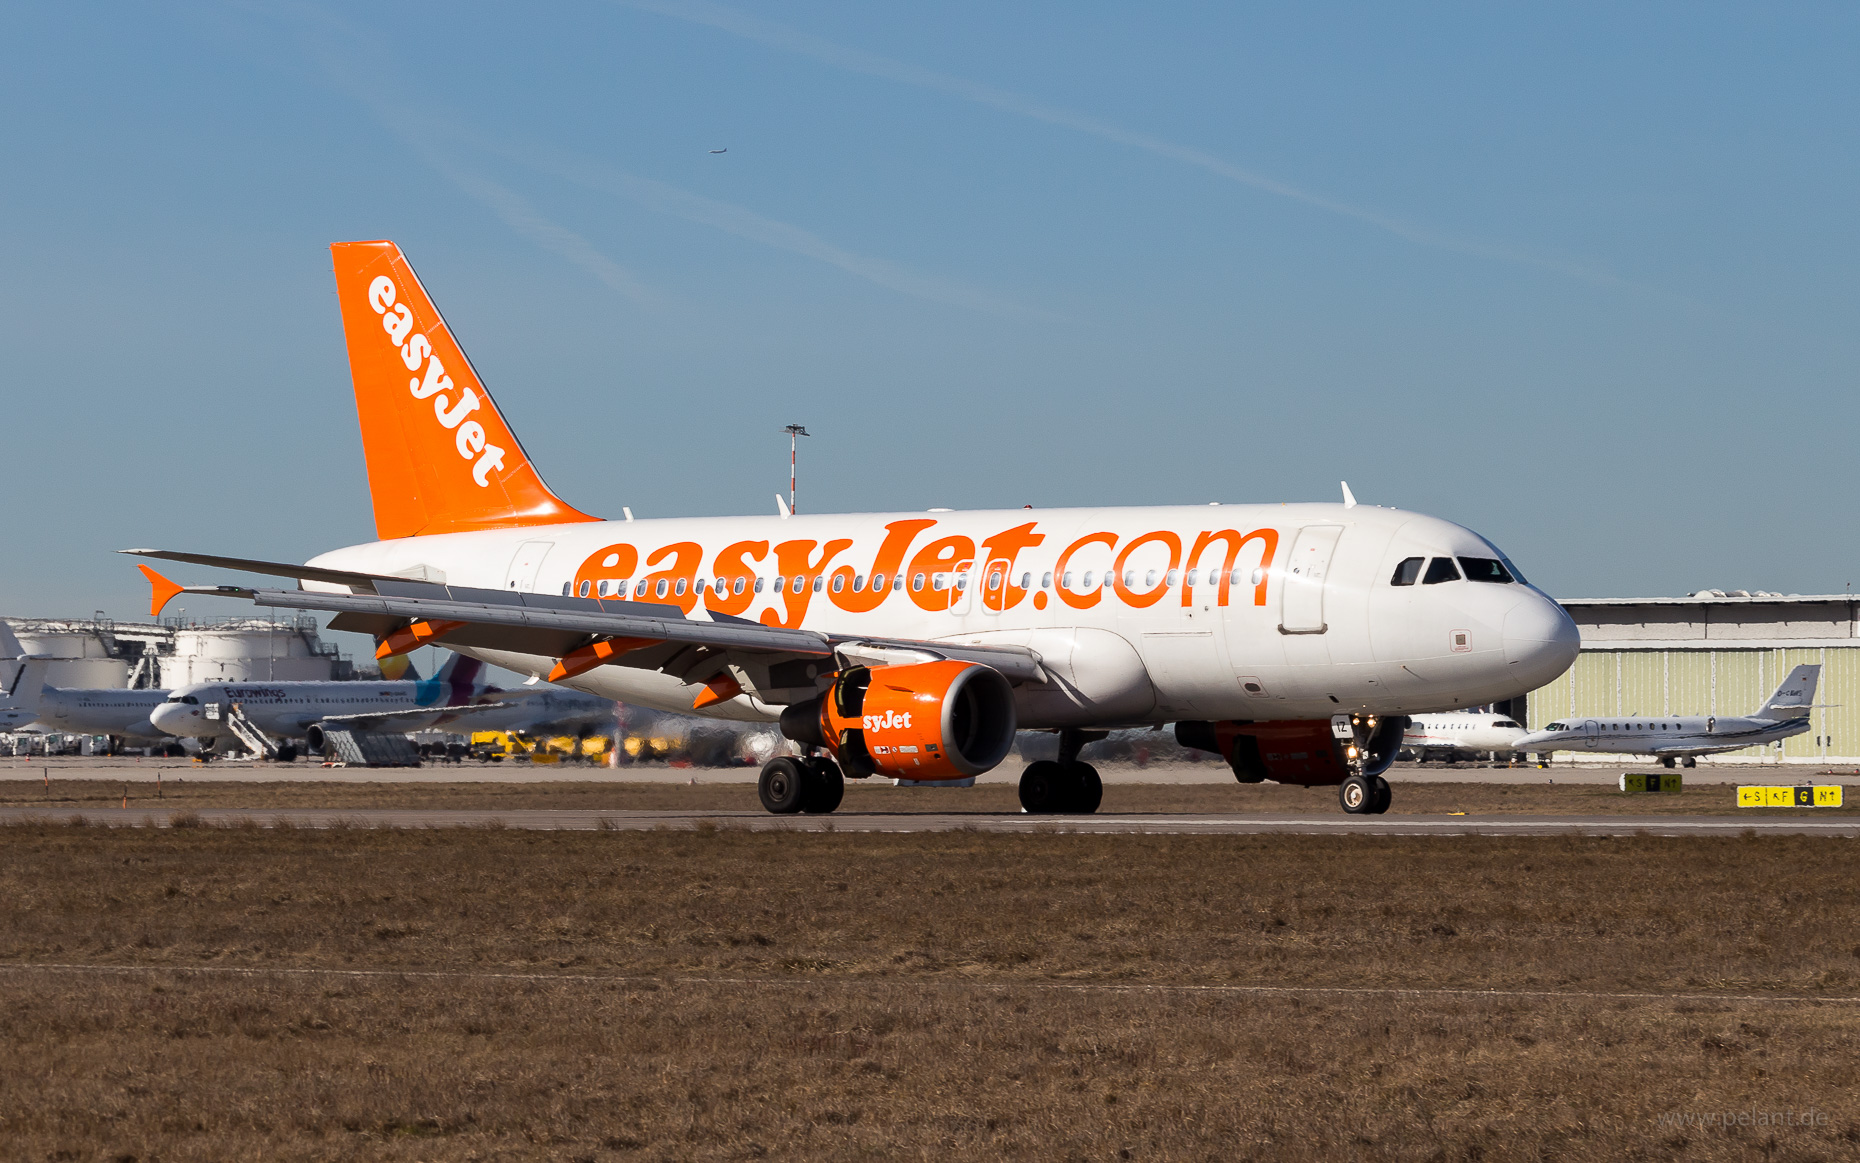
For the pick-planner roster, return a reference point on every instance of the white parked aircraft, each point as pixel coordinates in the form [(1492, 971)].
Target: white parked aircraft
[(120, 712), (22, 677), (1458, 732), (1684, 737), (306, 710), (909, 645)]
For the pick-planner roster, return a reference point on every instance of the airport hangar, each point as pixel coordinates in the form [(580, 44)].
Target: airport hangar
[(1715, 652)]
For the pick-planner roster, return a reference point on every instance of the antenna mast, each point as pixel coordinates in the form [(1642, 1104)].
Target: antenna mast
[(794, 431)]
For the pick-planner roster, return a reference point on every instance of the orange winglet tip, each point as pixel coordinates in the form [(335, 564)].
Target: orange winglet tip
[(598, 654), (414, 636), (717, 690), (162, 591)]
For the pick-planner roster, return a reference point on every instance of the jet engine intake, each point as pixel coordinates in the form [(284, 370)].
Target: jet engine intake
[(927, 721)]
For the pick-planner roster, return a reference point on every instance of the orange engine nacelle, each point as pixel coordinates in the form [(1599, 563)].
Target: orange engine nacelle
[(927, 721)]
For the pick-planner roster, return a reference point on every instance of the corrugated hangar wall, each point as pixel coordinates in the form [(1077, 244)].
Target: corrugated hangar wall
[(1713, 656)]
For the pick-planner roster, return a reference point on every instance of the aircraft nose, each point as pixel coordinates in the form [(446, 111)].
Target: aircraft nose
[(1541, 640), (169, 718)]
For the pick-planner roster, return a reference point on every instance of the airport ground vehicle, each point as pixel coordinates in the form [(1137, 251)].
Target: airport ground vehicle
[(1296, 639)]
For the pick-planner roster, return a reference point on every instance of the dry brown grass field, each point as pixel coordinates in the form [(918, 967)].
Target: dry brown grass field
[(202, 993), (990, 797)]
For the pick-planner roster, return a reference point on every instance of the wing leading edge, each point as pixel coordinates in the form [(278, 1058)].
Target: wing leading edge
[(641, 634)]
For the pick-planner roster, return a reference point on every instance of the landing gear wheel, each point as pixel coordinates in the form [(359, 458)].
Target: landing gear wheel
[(1691, 762), (782, 785), (1084, 790), (1666, 761), (1383, 797), (287, 753), (1042, 787), (1356, 796), (824, 787)]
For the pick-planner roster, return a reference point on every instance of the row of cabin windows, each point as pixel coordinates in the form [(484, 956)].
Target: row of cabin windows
[(665, 587), (1620, 727), (1442, 569)]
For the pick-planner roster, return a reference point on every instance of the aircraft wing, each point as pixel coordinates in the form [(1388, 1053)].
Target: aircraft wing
[(646, 634), (364, 718)]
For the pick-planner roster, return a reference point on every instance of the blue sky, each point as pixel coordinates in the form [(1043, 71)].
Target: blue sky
[(1581, 277)]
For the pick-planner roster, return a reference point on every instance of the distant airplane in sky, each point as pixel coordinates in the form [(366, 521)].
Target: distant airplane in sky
[(726, 149)]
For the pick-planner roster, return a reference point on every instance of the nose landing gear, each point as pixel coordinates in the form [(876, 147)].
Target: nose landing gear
[(1369, 744), (1365, 795)]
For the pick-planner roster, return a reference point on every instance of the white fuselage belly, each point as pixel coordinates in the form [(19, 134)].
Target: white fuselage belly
[(1271, 645)]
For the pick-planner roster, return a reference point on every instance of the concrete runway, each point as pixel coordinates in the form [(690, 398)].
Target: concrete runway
[(129, 769), (1106, 824)]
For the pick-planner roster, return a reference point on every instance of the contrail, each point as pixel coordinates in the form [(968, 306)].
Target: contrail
[(752, 27), (344, 67), (664, 198)]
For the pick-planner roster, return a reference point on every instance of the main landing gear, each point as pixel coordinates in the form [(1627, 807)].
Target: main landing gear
[(1067, 785), (1365, 795), (801, 783)]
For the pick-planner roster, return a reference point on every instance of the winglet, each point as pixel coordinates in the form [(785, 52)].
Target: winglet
[(781, 507), (162, 591), (1349, 498)]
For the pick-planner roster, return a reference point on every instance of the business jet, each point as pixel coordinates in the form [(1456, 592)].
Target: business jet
[(308, 710), (1300, 637), (1461, 732), (1683, 738)]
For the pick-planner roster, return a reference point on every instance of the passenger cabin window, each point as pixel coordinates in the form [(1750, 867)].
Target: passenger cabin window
[(1406, 574), (1485, 569), (1441, 569)]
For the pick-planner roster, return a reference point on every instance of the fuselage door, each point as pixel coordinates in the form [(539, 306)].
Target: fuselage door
[(1592, 733), (525, 565), (962, 588), (1301, 579)]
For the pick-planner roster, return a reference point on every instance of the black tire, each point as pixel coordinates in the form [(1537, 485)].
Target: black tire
[(825, 786), (1042, 787), (287, 753), (783, 784), (1357, 796), (1084, 790), (1668, 761), (1691, 762), (1383, 798)]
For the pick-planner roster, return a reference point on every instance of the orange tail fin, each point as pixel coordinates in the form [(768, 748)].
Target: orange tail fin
[(440, 457)]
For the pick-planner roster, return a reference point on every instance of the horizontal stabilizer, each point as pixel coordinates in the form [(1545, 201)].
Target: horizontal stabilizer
[(340, 577)]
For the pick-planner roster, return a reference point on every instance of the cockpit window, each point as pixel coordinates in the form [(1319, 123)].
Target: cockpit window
[(1485, 569), (1441, 569), (1557, 727), (1408, 572), (1507, 723), (190, 700), (1514, 571)]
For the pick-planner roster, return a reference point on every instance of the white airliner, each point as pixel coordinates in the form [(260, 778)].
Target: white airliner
[(1461, 731), (22, 677), (305, 710), (120, 712), (909, 645), (543, 709), (1684, 737)]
